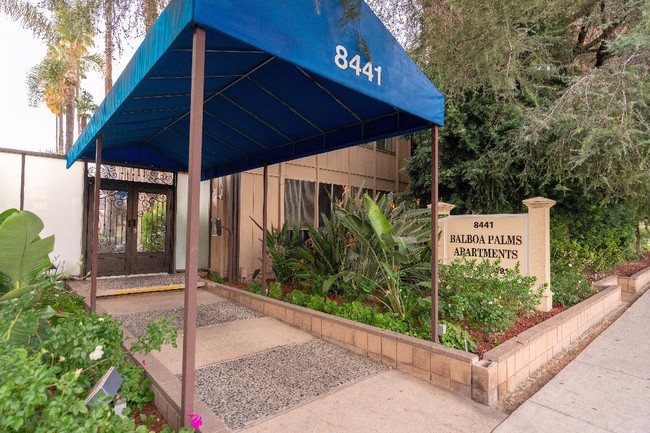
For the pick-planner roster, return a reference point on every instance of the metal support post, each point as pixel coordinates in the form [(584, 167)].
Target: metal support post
[(193, 209)]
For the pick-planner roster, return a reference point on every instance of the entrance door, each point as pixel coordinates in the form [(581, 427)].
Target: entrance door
[(135, 228)]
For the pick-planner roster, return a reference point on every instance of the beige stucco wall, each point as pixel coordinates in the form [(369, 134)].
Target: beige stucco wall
[(359, 166)]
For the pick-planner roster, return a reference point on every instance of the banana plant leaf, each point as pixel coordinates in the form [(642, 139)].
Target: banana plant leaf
[(23, 254)]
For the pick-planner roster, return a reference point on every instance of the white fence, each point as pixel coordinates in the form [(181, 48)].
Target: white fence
[(40, 183)]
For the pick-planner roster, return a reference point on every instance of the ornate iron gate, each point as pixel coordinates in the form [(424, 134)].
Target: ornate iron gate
[(135, 220)]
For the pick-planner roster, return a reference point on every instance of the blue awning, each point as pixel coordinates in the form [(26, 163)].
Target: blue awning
[(283, 79)]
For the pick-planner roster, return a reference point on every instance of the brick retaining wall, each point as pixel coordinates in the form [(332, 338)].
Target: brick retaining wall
[(440, 365), (510, 363), (636, 282), (501, 370)]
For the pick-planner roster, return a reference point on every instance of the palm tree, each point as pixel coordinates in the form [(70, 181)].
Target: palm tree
[(45, 84), (75, 33), (68, 29), (85, 108)]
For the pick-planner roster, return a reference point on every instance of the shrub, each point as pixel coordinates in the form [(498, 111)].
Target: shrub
[(568, 285), (457, 337), (601, 238), (50, 358), (275, 290), (478, 294), (286, 250), (255, 287), (215, 277), (298, 297)]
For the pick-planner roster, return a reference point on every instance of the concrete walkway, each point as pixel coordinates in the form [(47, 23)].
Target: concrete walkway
[(257, 374), (605, 389)]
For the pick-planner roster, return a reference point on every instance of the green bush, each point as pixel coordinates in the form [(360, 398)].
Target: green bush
[(37, 397), (255, 287), (600, 238), (275, 290), (215, 277), (457, 337), (286, 251), (51, 351), (477, 293), (568, 285), (298, 297)]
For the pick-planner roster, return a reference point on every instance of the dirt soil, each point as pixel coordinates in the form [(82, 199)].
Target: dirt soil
[(152, 417), (624, 269), (486, 343)]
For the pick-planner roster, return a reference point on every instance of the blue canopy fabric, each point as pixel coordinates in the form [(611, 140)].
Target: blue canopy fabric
[(283, 79)]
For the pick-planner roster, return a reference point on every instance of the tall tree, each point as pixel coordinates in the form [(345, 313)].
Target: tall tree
[(67, 27), (85, 108), (45, 84), (75, 33), (503, 66)]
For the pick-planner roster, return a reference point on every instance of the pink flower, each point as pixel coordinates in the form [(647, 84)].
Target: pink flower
[(59, 311), (197, 421), (144, 362)]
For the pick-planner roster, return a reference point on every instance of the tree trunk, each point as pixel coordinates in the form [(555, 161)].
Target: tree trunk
[(59, 147), (108, 46), (69, 121)]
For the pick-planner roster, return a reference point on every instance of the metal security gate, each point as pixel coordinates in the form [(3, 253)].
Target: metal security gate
[(135, 221)]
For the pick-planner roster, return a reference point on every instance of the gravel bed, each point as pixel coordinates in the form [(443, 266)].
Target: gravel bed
[(250, 388), (207, 315), (132, 282)]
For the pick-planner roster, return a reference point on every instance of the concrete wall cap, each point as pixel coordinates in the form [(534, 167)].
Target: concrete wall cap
[(539, 202)]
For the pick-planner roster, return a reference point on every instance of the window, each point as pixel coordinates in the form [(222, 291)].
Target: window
[(386, 144), (328, 194), (299, 202)]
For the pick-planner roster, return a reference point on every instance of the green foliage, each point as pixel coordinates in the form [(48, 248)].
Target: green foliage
[(275, 290), (21, 324), (136, 388), (47, 375), (285, 248), (542, 98), (388, 246), (356, 311), (255, 287), (38, 398), (568, 285), (23, 254), (603, 238), (154, 228), (215, 277), (365, 248), (298, 297), (477, 293), (159, 332), (457, 337)]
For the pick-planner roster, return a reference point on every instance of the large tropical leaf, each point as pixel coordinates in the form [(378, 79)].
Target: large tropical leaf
[(379, 223), (23, 254), (27, 326)]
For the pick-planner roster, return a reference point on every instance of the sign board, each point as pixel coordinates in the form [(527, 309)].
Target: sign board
[(492, 237)]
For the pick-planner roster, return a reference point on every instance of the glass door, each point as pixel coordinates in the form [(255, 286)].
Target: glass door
[(135, 228)]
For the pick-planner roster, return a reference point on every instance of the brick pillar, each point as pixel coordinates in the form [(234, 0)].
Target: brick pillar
[(539, 246), (444, 209)]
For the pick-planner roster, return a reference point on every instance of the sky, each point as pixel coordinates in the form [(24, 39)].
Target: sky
[(21, 126)]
